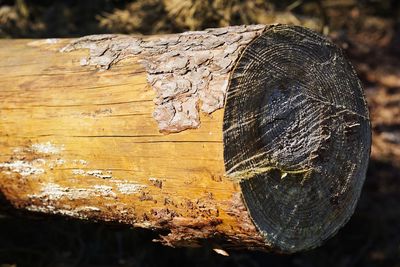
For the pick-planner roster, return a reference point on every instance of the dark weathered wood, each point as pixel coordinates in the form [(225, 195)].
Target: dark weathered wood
[(297, 136)]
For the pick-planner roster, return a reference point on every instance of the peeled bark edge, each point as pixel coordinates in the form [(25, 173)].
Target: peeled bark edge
[(189, 71)]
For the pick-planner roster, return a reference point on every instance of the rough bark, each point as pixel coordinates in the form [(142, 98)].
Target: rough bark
[(137, 130), (186, 70)]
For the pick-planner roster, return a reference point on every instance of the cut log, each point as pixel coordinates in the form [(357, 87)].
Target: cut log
[(248, 136)]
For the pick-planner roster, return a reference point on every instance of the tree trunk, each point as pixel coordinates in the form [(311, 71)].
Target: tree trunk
[(249, 136)]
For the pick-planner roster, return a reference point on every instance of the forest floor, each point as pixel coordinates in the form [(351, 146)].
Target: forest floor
[(369, 33)]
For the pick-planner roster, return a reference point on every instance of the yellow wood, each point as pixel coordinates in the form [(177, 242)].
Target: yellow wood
[(82, 142)]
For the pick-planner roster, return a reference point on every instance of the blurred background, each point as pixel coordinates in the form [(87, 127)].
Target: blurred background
[(368, 31)]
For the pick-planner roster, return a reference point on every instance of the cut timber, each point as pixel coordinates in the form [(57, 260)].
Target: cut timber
[(248, 136)]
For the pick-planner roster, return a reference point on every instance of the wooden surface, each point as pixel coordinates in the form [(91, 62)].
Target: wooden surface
[(82, 142), (302, 150), (134, 130)]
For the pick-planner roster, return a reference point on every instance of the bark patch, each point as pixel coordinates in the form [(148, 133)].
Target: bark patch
[(189, 71)]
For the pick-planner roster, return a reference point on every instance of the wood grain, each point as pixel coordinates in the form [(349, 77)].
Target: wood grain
[(297, 136), (82, 142), (99, 128)]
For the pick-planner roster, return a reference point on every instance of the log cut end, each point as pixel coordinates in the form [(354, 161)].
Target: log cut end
[(296, 136)]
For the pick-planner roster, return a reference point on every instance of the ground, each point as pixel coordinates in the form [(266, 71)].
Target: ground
[(368, 31)]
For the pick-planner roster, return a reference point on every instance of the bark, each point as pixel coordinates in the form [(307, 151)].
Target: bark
[(219, 135)]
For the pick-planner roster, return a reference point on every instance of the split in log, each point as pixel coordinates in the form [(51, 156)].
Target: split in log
[(249, 136)]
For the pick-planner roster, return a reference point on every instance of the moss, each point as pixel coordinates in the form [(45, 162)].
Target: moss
[(250, 173)]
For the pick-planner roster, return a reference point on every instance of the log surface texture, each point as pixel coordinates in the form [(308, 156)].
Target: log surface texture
[(247, 136)]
